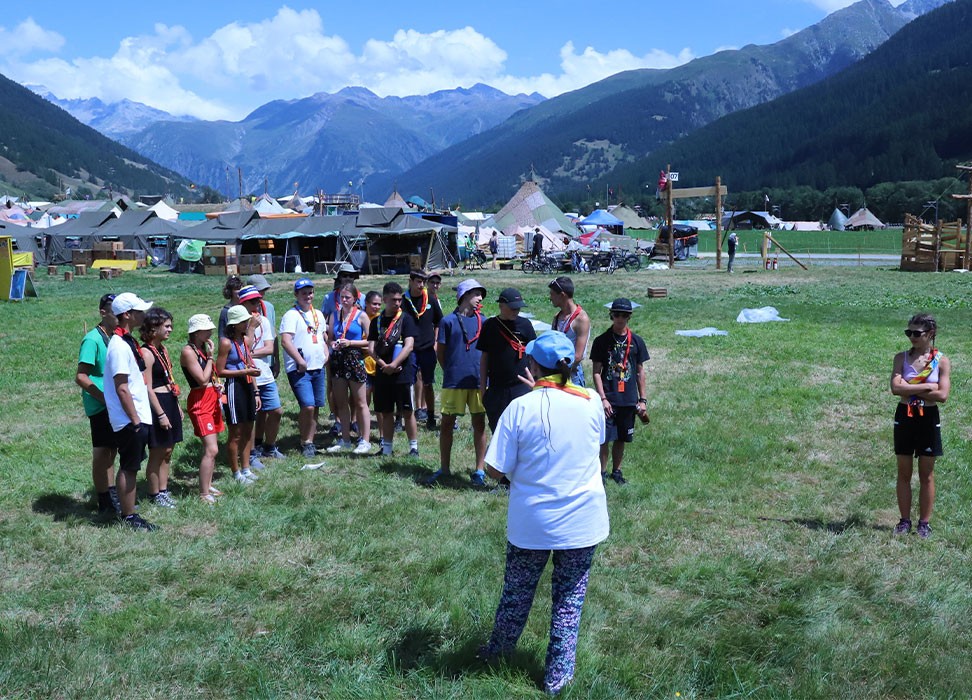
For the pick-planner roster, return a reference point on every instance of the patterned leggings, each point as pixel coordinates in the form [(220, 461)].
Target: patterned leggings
[(567, 589)]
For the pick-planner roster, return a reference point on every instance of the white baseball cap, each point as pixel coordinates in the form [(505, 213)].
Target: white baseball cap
[(127, 301)]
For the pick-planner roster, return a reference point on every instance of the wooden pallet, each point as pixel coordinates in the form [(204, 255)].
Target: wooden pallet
[(657, 292)]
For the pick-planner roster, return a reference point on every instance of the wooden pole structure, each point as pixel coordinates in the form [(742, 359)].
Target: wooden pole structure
[(777, 244), (718, 187), (967, 263), (669, 216)]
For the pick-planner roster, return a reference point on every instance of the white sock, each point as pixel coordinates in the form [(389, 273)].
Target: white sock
[(413, 444), (386, 447)]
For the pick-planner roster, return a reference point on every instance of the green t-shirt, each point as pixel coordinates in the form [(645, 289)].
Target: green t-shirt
[(94, 350)]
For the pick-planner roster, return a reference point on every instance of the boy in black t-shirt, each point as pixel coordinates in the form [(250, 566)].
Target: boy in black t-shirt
[(618, 356), (391, 340), (422, 305)]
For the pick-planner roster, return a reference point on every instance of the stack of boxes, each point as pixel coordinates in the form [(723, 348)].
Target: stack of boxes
[(220, 260), (259, 264)]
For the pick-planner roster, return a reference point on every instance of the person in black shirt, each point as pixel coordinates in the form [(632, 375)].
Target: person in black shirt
[(503, 342), (537, 252), (391, 340), (618, 356), (424, 308)]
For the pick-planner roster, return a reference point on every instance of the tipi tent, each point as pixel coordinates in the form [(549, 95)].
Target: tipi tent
[(396, 200), (530, 207), (863, 218), (164, 211), (838, 220)]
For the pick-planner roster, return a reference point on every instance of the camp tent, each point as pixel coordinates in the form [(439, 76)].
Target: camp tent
[(530, 207), (630, 218), (750, 220), (861, 219), (838, 220), (602, 219), (396, 200), (164, 211)]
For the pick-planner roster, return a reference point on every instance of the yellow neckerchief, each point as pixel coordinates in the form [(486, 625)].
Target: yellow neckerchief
[(569, 387)]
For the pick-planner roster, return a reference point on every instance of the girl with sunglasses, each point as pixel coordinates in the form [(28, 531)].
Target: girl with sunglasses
[(921, 378)]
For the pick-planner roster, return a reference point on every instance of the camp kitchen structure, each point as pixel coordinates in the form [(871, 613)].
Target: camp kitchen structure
[(137, 229), (374, 239)]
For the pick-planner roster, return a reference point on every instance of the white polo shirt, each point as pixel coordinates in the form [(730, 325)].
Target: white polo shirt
[(121, 360), (548, 443), (295, 323)]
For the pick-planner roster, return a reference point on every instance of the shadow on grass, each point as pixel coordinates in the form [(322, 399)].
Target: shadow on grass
[(65, 509), (420, 648), (836, 527), (418, 472)]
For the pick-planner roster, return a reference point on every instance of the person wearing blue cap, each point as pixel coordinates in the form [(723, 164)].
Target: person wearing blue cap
[(547, 443), (618, 357), (303, 336)]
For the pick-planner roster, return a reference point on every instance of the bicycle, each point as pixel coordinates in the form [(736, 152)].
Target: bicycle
[(544, 264), (477, 260)]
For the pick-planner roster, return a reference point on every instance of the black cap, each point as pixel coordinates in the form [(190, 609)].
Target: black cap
[(512, 298), (419, 274), (622, 305), (106, 301)]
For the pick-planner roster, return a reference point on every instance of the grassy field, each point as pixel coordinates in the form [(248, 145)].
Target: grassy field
[(750, 554), (887, 241)]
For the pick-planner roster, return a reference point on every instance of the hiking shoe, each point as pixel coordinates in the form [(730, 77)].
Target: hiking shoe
[(902, 528), (255, 463), (272, 453), (924, 529), (433, 478), (478, 479), (362, 448), (618, 477), (242, 478), (138, 523), (249, 475), (413, 452), (339, 446), (163, 500), (308, 450)]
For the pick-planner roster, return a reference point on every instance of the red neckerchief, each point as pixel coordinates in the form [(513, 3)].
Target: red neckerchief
[(512, 339), (203, 359), (568, 387), (570, 319), (425, 302), (133, 346), (344, 330), (479, 328), (391, 326), (244, 354), (311, 329), (163, 359)]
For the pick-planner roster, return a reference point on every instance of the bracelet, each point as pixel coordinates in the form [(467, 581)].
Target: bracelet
[(645, 401)]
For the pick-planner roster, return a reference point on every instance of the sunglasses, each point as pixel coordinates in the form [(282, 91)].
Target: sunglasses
[(914, 334)]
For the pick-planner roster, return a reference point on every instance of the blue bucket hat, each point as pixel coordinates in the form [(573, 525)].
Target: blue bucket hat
[(550, 348)]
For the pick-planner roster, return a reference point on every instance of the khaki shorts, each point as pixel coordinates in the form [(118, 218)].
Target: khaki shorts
[(453, 402)]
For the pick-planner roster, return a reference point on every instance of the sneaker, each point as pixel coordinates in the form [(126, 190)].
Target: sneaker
[(924, 529), (336, 428), (902, 528), (163, 500), (354, 427), (618, 477), (430, 423), (339, 446), (272, 453), (249, 475), (308, 450), (478, 479), (242, 478), (215, 492), (115, 503), (208, 499), (138, 523), (421, 414), (255, 463), (257, 452), (413, 452), (501, 489), (433, 478), (362, 448)]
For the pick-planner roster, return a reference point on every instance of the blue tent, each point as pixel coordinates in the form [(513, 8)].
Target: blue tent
[(600, 217)]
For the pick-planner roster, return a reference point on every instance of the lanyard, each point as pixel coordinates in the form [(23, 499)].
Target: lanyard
[(623, 365), (166, 363), (244, 354), (425, 302), (518, 345), (311, 329), (462, 326), (570, 319), (347, 324), (569, 387), (214, 377), (391, 326)]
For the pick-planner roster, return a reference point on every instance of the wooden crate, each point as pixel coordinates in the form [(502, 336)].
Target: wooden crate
[(108, 246), (82, 257), (657, 292), (222, 270), (259, 259), (259, 269), (218, 251)]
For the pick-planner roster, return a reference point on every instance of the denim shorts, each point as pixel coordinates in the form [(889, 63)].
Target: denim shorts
[(309, 387), (269, 397)]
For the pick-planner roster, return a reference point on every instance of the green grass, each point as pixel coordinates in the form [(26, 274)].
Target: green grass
[(887, 241), (750, 554)]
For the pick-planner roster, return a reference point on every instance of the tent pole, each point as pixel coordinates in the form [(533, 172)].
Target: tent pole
[(718, 186)]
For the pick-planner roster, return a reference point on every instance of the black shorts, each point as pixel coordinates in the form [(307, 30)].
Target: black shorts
[(240, 406), (389, 395), (158, 437), (496, 399), (131, 442), (426, 360), (101, 433), (919, 435), (620, 427)]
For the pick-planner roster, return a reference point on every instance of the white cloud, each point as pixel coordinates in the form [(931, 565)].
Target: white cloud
[(28, 37), (834, 5), (290, 55)]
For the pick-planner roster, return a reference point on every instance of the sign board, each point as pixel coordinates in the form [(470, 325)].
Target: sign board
[(21, 285), (673, 177), (699, 192)]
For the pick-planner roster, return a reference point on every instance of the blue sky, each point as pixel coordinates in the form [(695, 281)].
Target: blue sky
[(220, 60)]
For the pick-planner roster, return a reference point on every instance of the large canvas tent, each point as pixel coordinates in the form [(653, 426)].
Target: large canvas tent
[(838, 220), (863, 218), (530, 207), (136, 229)]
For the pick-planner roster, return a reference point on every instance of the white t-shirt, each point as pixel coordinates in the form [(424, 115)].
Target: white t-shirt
[(295, 323), (121, 360), (548, 443), (261, 334)]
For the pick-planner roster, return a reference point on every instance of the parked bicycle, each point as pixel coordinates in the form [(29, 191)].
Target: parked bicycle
[(476, 261), (544, 264)]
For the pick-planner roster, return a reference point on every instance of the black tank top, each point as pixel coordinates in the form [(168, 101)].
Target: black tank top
[(193, 384)]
